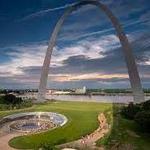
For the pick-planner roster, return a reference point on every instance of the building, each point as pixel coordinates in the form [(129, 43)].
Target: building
[(57, 92), (81, 90)]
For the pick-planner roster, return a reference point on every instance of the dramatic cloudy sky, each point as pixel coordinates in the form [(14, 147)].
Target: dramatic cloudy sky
[(87, 51)]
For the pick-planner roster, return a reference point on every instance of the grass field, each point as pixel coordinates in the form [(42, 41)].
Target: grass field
[(83, 120)]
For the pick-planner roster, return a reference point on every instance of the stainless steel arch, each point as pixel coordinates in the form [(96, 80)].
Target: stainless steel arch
[(129, 58)]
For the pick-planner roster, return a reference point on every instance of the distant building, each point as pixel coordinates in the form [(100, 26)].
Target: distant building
[(49, 91), (57, 92), (81, 90), (61, 92)]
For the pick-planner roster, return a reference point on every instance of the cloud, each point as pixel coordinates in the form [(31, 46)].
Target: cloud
[(77, 29), (97, 59), (23, 56), (146, 18), (91, 76), (43, 12)]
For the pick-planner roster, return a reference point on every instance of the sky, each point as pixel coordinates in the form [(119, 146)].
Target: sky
[(87, 51)]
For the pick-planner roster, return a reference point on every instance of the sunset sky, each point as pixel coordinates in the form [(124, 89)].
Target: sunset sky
[(87, 52)]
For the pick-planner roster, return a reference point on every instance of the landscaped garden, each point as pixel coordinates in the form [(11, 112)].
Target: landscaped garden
[(82, 120)]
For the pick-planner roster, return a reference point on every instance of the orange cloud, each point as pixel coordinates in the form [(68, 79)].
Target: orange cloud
[(90, 76)]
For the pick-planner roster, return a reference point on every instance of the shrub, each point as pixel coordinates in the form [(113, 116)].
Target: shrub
[(130, 111), (25, 104), (2, 100), (48, 147), (146, 105), (12, 99), (4, 107), (143, 119)]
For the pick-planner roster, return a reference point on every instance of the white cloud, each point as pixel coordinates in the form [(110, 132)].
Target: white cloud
[(91, 48), (33, 55), (43, 12), (145, 63)]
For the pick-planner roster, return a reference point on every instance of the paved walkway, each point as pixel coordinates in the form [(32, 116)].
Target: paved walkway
[(89, 141), (4, 141)]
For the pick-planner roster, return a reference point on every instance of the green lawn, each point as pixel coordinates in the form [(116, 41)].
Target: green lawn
[(82, 120)]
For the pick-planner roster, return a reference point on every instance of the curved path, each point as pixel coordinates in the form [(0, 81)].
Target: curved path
[(87, 141), (4, 141)]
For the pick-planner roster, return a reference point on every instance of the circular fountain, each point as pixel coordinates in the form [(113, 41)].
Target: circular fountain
[(32, 122)]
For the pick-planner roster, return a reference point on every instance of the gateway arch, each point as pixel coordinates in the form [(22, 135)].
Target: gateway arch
[(129, 58)]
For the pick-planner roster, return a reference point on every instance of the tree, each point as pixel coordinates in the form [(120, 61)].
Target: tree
[(12, 99)]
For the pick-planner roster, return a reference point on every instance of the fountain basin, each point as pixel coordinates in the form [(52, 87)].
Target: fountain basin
[(31, 122)]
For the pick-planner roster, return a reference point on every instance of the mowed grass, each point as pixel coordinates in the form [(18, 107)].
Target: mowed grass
[(82, 120)]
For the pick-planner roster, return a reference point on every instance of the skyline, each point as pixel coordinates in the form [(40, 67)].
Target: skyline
[(87, 51)]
